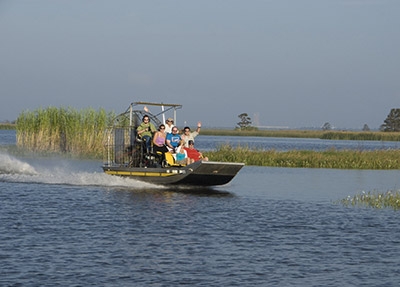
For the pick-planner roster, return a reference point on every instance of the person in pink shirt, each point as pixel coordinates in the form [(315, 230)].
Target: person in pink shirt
[(159, 140)]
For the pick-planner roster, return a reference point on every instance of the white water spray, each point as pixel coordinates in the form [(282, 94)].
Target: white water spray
[(61, 171), (11, 165)]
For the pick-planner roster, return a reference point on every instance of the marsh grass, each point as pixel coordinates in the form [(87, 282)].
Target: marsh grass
[(7, 126), (372, 136), (341, 159), (390, 199), (62, 130)]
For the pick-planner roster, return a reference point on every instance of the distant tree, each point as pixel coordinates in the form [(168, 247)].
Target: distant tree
[(366, 128), (245, 121), (326, 127), (392, 122)]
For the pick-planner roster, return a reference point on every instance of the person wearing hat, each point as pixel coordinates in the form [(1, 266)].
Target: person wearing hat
[(193, 153), (169, 124)]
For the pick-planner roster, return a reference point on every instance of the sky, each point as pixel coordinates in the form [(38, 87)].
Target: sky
[(286, 63)]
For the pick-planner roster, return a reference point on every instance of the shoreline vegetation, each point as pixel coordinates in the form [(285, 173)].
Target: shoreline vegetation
[(332, 158), (7, 126), (81, 134), (378, 200)]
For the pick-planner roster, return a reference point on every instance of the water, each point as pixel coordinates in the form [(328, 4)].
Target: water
[(65, 223), (285, 144)]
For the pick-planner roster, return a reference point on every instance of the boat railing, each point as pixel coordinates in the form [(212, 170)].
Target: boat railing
[(122, 147)]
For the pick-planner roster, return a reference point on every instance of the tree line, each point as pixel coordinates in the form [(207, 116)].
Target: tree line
[(390, 124)]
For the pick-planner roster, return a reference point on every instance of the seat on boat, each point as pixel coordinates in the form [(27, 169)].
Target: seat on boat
[(169, 158)]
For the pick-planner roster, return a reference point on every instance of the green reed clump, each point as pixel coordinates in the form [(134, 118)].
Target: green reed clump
[(342, 159), (390, 199), (63, 130), (373, 136)]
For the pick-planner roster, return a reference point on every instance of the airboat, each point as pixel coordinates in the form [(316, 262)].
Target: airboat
[(126, 156)]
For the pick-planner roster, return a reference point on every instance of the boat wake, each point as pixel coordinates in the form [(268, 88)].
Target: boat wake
[(11, 165), (64, 173)]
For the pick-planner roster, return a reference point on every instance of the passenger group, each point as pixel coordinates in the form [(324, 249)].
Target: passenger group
[(166, 139)]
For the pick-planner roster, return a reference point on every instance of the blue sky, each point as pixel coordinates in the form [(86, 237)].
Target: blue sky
[(286, 63)]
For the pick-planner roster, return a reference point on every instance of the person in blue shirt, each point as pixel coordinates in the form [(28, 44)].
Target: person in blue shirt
[(173, 140), (174, 144)]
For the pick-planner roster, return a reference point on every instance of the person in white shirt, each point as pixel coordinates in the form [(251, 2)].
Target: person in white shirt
[(169, 124), (189, 136)]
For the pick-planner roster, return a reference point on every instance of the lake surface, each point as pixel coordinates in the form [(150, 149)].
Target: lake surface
[(65, 223), (285, 144)]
